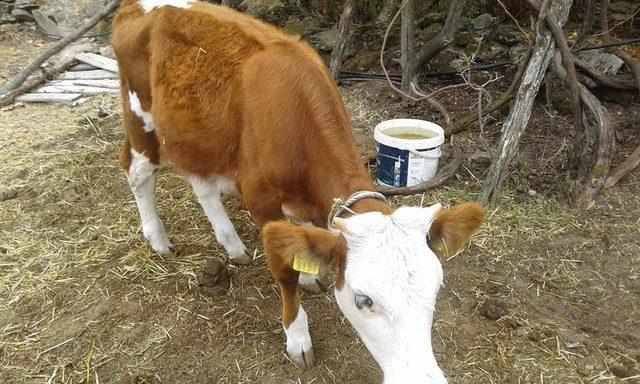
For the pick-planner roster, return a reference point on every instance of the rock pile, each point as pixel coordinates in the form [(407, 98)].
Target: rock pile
[(17, 11)]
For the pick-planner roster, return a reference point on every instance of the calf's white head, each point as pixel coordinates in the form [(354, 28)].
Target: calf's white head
[(389, 277)]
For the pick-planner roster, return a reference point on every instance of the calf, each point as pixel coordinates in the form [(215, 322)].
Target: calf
[(238, 106)]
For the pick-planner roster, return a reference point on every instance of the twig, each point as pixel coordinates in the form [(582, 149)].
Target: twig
[(445, 173), (8, 93)]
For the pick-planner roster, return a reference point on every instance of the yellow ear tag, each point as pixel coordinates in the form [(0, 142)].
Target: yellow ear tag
[(304, 263)]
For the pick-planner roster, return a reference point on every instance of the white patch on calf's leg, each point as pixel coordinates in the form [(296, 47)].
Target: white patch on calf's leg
[(299, 345), (209, 195), (142, 180), (149, 5), (136, 108)]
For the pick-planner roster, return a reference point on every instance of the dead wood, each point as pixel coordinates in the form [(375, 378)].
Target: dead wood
[(602, 79), (443, 175), (623, 169), (343, 37), (17, 86), (516, 122), (591, 181), (571, 79)]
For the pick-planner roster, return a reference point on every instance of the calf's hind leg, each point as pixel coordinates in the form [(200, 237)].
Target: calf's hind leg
[(140, 158), (209, 193)]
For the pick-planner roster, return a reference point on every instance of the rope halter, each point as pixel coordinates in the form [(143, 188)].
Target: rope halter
[(339, 206)]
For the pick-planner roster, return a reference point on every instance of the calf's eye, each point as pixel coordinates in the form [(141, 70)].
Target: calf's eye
[(363, 301)]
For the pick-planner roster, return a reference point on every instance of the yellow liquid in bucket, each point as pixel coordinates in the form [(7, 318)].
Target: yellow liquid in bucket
[(412, 136)]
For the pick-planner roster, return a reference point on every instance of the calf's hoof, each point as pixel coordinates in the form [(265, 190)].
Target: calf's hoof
[(241, 259), (304, 359)]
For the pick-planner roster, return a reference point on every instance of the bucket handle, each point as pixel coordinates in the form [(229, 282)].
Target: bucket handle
[(426, 155)]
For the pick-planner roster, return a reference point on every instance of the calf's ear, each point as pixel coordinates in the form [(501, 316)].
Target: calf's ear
[(452, 228), (306, 246)]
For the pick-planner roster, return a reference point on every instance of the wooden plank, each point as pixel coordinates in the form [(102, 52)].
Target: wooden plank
[(90, 75), (48, 97), (112, 84), (76, 89), (82, 67), (98, 61)]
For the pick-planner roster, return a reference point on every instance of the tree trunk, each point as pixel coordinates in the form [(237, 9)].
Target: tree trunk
[(516, 122), (407, 39), (587, 23), (443, 38), (343, 37)]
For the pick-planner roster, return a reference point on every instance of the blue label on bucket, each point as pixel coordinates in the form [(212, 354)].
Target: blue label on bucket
[(393, 165)]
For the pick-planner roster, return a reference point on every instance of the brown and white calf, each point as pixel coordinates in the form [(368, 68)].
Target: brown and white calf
[(236, 105)]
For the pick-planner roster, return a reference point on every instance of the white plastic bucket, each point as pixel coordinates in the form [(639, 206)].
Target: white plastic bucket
[(405, 162)]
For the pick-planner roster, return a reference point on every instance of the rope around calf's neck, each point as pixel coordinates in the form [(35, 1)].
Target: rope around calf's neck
[(339, 206)]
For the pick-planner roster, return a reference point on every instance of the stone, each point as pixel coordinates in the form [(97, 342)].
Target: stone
[(483, 21), (22, 15), (324, 41), (627, 7), (27, 5), (45, 23), (302, 28), (7, 18), (507, 36), (517, 52), (459, 64), (463, 39), (489, 52), (366, 61)]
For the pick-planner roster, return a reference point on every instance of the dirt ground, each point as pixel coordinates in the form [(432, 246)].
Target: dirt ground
[(543, 294)]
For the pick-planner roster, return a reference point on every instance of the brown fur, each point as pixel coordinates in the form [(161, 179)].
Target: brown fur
[(231, 96), (453, 228)]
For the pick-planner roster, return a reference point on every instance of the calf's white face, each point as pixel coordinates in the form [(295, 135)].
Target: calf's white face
[(391, 281)]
